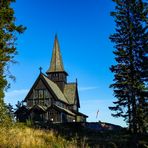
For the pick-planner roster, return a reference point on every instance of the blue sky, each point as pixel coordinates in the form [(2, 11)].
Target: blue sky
[(83, 28)]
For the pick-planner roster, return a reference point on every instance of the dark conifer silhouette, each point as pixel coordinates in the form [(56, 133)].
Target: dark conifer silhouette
[(131, 69)]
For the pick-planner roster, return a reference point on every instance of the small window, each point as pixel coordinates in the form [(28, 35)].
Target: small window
[(47, 102), (36, 101), (56, 74), (35, 94), (41, 102), (62, 76), (46, 94), (40, 93)]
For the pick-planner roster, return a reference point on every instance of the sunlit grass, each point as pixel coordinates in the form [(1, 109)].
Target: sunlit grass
[(24, 137)]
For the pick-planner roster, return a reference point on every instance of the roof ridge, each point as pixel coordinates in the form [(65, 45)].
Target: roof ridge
[(71, 83)]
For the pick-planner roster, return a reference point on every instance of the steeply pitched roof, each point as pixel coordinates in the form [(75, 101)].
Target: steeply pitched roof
[(79, 114), (56, 64), (38, 107), (62, 109), (70, 92), (55, 89)]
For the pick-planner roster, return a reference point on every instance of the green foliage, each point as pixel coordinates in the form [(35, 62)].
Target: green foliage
[(143, 144), (131, 55), (19, 104), (10, 111), (29, 123), (8, 38), (5, 118), (111, 145)]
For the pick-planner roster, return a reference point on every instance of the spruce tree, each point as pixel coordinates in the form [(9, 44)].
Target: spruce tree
[(131, 55), (10, 111), (8, 36)]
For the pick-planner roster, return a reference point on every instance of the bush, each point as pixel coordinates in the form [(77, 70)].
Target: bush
[(111, 145)]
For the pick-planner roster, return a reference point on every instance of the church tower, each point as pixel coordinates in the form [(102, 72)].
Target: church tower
[(56, 72)]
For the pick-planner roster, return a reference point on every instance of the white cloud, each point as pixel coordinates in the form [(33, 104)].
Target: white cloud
[(87, 88), (15, 95)]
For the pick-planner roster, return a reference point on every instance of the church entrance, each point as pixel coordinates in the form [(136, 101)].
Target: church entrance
[(37, 114), (37, 117), (64, 117)]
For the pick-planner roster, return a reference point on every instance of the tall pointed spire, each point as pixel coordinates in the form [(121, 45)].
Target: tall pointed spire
[(56, 72), (56, 64)]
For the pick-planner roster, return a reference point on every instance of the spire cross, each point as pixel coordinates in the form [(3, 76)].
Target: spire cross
[(40, 68)]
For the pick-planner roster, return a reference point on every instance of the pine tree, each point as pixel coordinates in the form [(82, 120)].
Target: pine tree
[(8, 37), (10, 111), (19, 105), (130, 72)]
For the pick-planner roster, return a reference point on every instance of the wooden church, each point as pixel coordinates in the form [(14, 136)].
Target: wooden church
[(52, 98)]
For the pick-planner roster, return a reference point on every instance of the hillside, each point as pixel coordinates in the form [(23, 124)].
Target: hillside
[(68, 135), (24, 137)]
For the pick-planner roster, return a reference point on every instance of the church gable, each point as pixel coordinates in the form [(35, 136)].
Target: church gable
[(41, 91), (38, 90), (40, 85)]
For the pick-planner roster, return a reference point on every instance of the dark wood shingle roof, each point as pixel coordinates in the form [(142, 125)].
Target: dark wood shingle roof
[(56, 64), (70, 92)]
